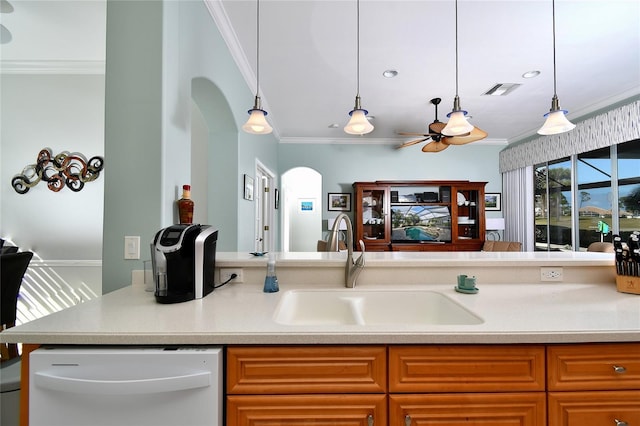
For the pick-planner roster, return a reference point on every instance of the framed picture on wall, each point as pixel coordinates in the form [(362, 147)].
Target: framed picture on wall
[(340, 202), (248, 188), (492, 201), (306, 205)]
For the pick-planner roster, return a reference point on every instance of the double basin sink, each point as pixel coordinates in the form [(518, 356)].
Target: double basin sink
[(371, 308)]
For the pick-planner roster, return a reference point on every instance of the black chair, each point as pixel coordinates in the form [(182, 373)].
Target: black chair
[(12, 269)]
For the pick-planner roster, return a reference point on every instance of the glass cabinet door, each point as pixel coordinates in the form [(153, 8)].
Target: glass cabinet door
[(469, 220), (373, 214)]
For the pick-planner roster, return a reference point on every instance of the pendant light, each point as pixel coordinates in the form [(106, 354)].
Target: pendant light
[(358, 124), (556, 120), (257, 123), (457, 124)]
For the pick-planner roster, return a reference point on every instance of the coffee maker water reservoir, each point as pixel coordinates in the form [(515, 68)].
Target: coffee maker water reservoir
[(183, 258)]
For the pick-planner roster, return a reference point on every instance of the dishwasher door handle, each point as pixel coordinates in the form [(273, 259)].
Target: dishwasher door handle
[(122, 387)]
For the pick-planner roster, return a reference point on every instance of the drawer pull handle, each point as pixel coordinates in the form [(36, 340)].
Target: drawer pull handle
[(370, 420), (407, 420), (620, 422), (620, 370)]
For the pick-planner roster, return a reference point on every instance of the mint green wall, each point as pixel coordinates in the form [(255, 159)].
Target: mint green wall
[(341, 165), (155, 50)]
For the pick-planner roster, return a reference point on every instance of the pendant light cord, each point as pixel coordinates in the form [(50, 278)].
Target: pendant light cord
[(553, 12), (358, 48), (456, 48), (257, 48)]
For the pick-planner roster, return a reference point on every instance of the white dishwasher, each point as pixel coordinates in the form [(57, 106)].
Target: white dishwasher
[(125, 386)]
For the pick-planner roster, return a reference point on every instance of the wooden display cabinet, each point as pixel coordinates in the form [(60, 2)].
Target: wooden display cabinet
[(420, 215)]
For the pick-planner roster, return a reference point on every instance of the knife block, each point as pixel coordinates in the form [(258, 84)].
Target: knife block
[(628, 284)]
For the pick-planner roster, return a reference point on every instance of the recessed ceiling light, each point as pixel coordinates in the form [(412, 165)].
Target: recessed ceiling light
[(371, 117), (389, 73), (333, 126), (531, 74)]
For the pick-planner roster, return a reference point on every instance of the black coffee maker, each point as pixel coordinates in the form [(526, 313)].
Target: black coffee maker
[(183, 258)]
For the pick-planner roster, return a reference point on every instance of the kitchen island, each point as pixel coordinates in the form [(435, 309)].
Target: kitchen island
[(513, 304), (518, 336)]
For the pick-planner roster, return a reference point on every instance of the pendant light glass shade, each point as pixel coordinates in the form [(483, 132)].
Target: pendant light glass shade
[(457, 124), (358, 124), (556, 121), (257, 122)]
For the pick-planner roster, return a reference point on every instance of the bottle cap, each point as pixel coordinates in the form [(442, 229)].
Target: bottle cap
[(186, 187)]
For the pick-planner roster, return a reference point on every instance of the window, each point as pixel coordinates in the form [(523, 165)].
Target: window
[(553, 205), (629, 187), (561, 227), (595, 197)]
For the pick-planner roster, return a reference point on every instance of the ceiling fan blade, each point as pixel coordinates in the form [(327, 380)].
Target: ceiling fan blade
[(475, 135), (412, 134), (435, 146), (437, 126), (413, 142)]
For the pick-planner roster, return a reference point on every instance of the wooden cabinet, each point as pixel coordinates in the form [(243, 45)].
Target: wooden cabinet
[(450, 385), (311, 385), (420, 215), (594, 384)]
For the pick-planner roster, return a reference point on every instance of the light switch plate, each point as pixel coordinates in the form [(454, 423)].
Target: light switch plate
[(132, 247)]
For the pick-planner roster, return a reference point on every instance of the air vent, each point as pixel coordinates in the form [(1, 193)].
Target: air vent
[(502, 89)]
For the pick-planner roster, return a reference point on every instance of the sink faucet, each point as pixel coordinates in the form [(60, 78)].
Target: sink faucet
[(352, 268)]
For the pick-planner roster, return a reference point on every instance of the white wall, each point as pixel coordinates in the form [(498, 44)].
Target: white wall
[(65, 113), (303, 229)]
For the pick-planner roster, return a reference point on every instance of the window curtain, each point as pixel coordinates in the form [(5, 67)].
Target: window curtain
[(517, 204)]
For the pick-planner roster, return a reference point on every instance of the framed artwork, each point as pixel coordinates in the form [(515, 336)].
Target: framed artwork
[(492, 201), (340, 202), (306, 205), (248, 188)]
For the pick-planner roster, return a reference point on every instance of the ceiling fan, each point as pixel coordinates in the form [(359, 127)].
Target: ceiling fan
[(440, 142)]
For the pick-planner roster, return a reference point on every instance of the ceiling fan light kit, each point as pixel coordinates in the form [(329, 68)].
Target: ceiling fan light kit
[(556, 121), (257, 122), (358, 123)]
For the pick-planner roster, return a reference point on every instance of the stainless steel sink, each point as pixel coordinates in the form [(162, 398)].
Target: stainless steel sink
[(371, 307)]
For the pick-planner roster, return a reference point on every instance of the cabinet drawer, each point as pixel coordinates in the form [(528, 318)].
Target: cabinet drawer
[(306, 369), (491, 409), (466, 368), (598, 408), (594, 366), (309, 410)]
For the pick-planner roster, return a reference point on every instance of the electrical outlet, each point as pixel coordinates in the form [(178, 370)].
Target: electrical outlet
[(551, 274), (225, 274)]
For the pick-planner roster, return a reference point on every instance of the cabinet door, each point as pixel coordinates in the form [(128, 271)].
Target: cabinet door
[(371, 216), (614, 366), (306, 369), (468, 205), (598, 408), (308, 410), (474, 368), (477, 409)]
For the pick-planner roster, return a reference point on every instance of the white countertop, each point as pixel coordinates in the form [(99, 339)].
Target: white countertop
[(243, 314)]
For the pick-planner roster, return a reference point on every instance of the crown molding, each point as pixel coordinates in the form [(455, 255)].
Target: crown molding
[(52, 67)]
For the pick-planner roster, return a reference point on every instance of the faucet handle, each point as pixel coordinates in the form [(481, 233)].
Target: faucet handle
[(361, 246)]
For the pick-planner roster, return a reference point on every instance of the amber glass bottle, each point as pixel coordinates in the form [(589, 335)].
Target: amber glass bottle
[(185, 205)]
